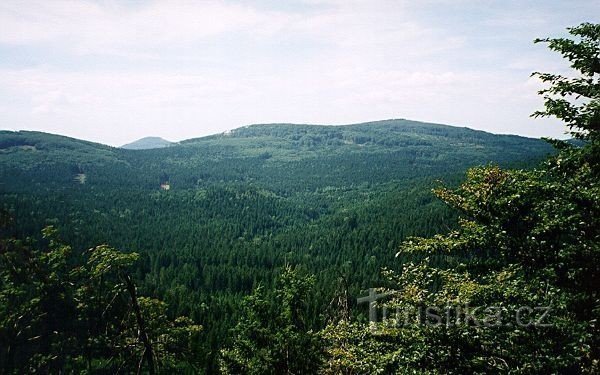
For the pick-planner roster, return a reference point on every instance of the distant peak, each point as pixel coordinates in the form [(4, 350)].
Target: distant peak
[(147, 143)]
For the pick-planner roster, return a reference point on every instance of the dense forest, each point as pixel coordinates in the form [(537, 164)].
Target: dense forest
[(245, 252)]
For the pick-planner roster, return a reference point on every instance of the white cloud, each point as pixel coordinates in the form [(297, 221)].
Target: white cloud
[(88, 27), (113, 71)]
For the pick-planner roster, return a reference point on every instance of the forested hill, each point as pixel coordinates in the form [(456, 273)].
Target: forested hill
[(279, 157), (213, 217)]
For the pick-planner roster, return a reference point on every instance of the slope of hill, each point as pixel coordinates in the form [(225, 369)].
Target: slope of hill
[(147, 143)]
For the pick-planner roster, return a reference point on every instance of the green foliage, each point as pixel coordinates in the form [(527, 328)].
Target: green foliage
[(59, 315), (353, 348), (172, 339), (273, 331), (582, 50), (104, 260), (528, 240)]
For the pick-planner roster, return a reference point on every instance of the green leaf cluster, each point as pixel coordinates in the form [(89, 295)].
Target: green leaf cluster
[(65, 313)]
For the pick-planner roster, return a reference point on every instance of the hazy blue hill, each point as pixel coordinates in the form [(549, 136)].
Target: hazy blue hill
[(147, 143)]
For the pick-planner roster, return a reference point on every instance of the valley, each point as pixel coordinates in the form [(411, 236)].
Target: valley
[(335, 201)]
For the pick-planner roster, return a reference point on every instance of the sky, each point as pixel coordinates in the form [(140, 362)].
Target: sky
[(115, 71)]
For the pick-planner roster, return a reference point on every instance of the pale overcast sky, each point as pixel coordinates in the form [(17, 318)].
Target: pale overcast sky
[(115, 71)]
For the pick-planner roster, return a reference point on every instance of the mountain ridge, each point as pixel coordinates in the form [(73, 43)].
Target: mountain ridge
[(283, 158), (410, 125)]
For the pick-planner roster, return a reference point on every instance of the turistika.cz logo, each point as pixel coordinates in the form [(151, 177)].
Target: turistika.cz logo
[(449, 315)]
